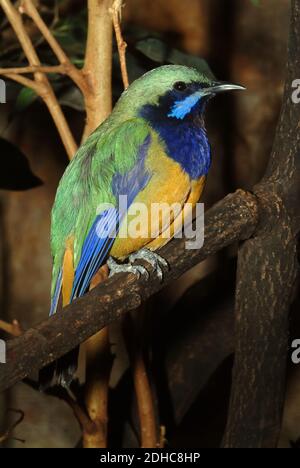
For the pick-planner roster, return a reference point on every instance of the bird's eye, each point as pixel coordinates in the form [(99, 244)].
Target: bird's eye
[(180, 86)]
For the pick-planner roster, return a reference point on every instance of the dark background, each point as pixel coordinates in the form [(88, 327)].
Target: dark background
[(243, 41)]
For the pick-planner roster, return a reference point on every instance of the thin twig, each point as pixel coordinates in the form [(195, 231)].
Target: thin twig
[(42, 85), (33, 69), (28, 7), (70, 397), (141, 381), (25, 81), (82, 417), (116, 17), (162, 437), (13, 329)]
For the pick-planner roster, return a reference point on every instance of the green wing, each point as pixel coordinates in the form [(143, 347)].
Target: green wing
[(109, 154)]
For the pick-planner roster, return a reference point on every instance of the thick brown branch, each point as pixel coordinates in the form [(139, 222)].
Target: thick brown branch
[(267, 271), (98, 64), (232, 219), (98, 369), (98, 101), (142, 385)]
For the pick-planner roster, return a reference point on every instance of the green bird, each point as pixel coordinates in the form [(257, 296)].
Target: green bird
[(153, 148)]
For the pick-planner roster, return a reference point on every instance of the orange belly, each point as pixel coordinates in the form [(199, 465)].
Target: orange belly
[(170, 186)]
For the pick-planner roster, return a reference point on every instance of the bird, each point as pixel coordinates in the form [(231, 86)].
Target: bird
[(153, 148)]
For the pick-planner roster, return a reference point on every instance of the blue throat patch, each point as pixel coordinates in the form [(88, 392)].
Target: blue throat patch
[(180, 125), (183, 107)]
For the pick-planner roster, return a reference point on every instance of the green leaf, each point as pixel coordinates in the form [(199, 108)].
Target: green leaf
[(160, 52), (25, 97), (255, 2)]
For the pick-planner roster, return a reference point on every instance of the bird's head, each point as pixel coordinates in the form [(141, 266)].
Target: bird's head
[(172, 92)]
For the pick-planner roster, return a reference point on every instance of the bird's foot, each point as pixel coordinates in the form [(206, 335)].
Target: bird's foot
[(157, 262), (115, 267)]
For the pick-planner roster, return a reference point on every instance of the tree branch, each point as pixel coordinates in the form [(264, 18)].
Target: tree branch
[(99, 362), (24, 81), (41, 83), (33, 69), (13, 329), (143, 391), (97, 72), (267, 272), (121, 44), (28, 7), (98, 64), (232, 219)]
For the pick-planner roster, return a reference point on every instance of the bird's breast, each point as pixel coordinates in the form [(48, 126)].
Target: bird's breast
[(186, 142), (169, 185)]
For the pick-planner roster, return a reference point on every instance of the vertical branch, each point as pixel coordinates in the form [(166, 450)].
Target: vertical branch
[(98, 64), (142, 385), (267, 269), (266, 276), (99, 363), (121, 44), (97, 71)]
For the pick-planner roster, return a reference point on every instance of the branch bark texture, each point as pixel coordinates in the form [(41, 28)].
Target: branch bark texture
[(267, 272), (232, 219)]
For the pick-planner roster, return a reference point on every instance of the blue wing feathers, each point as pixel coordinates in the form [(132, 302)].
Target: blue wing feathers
[(93, 250), (56, 294), (106, 225)]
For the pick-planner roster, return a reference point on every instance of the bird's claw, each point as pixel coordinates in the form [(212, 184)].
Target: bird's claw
[(115, 267), (157, 262)]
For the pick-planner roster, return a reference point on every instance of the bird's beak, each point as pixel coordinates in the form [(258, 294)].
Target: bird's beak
[(220, 87)]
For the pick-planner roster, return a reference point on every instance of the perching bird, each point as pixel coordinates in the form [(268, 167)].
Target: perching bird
[(153, 148)]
